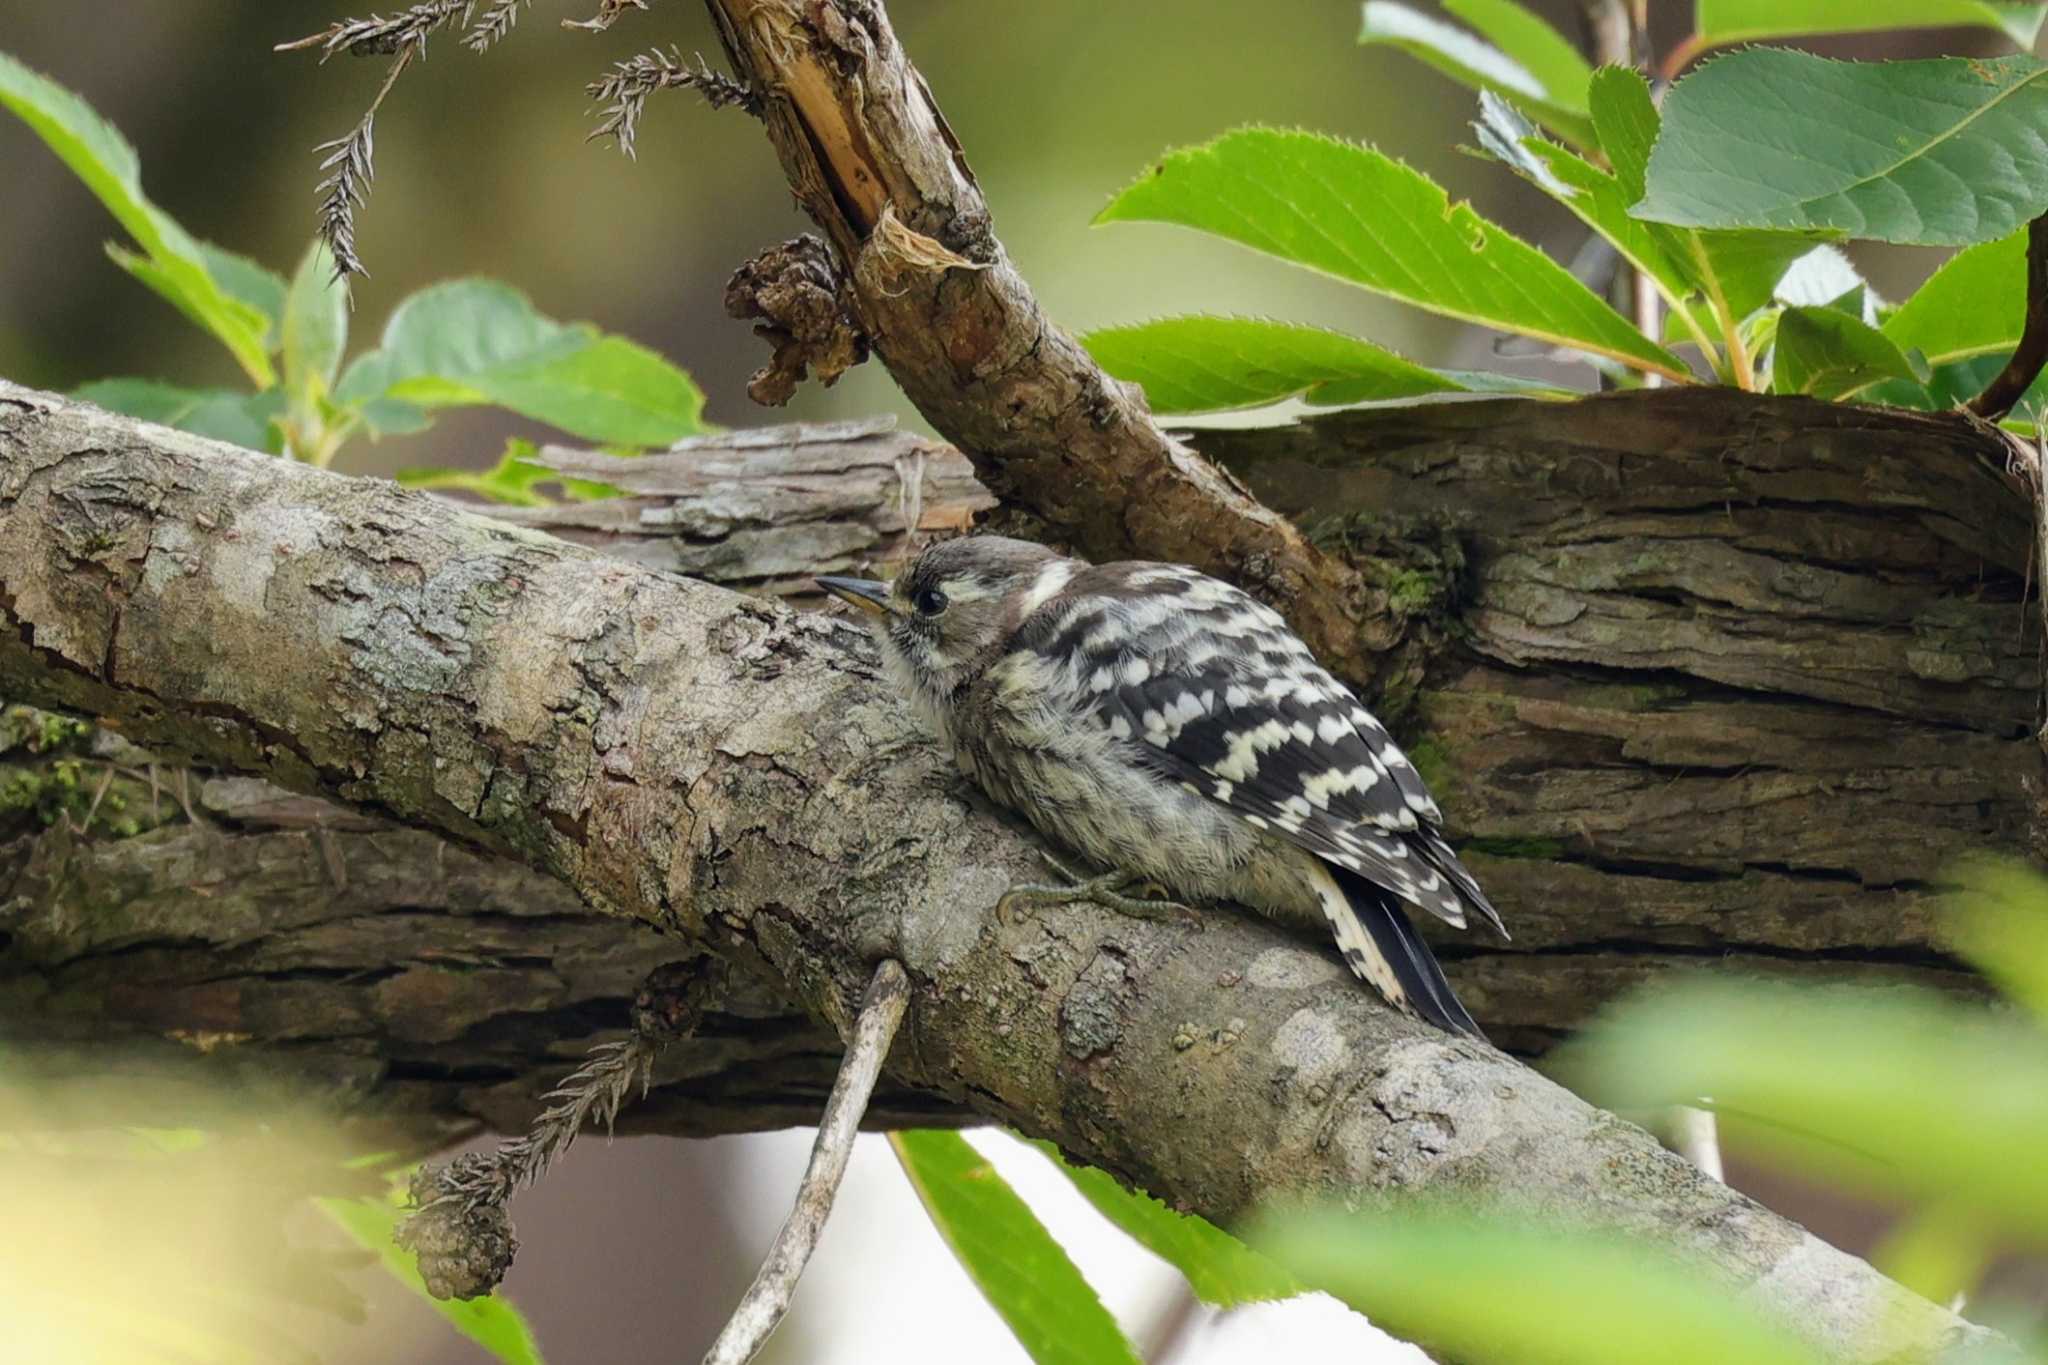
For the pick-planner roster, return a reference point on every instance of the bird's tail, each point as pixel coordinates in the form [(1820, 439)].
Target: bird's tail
[(1381, 945)]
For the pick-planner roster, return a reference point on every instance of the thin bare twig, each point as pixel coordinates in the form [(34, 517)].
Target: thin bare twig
[(2032, 353), (881, 1011), (379, 36), (624, 90)]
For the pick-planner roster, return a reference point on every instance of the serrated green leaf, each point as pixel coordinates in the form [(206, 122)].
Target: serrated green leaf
[(1414, 1274), (1735, 271), (1975, 304), (476, 341), (243, 419), (314, 332), (1720, 22), (1896, 1091), (1208, 364), (1946, 152), (492, 1322), (256, 285), (1362, 216), (1827, 353), (102, 159), (1595, 197), (1220, 1269), (1023, 1273), (1478, 64)]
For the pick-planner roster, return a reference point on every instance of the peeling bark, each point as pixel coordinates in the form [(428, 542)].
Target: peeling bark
[(734, 776)]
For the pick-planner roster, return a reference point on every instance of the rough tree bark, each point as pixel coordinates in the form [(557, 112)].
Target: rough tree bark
[(736, 776)]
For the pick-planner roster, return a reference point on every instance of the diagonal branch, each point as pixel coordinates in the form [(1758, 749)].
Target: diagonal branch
[(869, 155), (738, 775), (2012, 382)]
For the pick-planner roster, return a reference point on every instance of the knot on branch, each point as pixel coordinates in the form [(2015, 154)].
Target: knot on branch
[(796, 291), (464, 1247)]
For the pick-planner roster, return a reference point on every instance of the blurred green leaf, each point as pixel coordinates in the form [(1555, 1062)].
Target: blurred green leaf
[(1747, 21), (1894, 1091), (2000, 922), (1204, 364), (1528, 38), (256, 285), (1006, 1251), (493, 1323), (1772, 138), (242, 419), (1220, 1269), (176, 266), (1362, 216), (516, 479), (1561, 106), (314, 332), (470, 342), (1470, 1289), (1828, 353), (1956, 382), (1936, 1252), (1976, 303)]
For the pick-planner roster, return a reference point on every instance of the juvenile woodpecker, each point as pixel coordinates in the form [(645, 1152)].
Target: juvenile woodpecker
[(1170, 728)]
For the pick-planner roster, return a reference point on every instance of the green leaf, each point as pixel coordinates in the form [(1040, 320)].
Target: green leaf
[(1006, 1251), (491, 1322), (1735, 271), (1974, 305), (1828, 353), (1220, 1269), (1498, 1290), (242, 419), (101, 158), (1528, 38), (315, 327), (1895, 1091), (1362, 216), (1720, 22), (1945, 152), (475, 341), (1471, 62), (2000, 923), (516, 479), (1206, 364), (256, 285)]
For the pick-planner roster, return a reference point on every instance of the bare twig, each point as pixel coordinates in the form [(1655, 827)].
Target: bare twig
[(2032, 352), (768, 1298), (624, 90), (378, 36)]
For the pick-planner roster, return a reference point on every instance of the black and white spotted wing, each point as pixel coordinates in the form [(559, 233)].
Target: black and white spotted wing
[(1213, 690)]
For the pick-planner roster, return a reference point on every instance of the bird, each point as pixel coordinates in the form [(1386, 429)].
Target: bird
[(1170, 728)]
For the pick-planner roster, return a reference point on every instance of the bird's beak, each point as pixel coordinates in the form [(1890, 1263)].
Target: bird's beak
[(864, 593)]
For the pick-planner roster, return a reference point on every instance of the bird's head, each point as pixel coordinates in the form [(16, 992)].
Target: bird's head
[(945, 618)]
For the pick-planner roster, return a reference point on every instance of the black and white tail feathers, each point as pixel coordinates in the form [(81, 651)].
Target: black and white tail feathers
[(1380, 944)]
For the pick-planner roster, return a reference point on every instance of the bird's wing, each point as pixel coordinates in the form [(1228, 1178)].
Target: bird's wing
[(1211, 689)]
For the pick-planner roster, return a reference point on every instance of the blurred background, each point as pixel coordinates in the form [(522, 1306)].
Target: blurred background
[(636, 1250)]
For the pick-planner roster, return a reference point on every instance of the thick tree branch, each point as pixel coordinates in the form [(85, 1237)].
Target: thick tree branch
[(736, 775)]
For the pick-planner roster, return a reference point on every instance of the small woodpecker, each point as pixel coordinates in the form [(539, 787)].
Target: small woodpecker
[(1172, 729)]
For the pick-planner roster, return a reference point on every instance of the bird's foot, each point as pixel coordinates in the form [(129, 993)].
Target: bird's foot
[(1110, 891)]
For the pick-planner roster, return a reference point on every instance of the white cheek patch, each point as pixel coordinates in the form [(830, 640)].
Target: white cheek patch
[(962, 590), (1047, 585)]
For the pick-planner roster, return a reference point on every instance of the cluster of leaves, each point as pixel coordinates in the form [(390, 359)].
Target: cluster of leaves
[(457, 344), (1897, 1093), (1723, 202)]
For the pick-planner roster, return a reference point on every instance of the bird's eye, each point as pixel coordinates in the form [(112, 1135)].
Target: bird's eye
[(929, 602)]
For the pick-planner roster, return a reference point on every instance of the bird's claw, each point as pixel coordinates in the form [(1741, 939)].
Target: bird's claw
[(1107, 890)]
